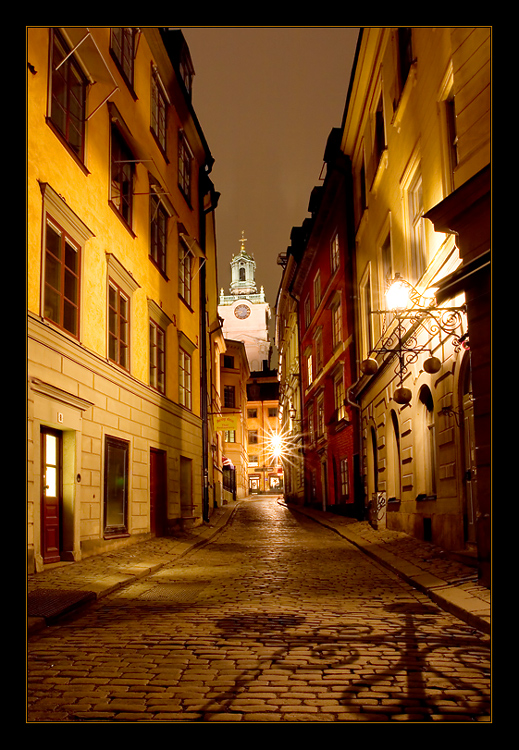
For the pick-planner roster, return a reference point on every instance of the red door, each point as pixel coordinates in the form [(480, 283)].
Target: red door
[(158, 493), (51, 495)]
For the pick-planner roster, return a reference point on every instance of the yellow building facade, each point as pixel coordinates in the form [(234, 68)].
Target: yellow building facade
[(118, 201), (416, 127), (234, 374)]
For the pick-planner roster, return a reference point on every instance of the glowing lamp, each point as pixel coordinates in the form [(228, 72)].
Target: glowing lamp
[(397, 295)]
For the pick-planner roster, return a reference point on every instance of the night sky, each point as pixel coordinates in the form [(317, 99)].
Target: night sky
[(266, 98)]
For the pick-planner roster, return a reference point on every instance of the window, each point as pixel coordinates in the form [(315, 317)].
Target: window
[(335, 258), (387, 263), (158, 232), (229, 396), (318, 351), (253, 460), (317, 291), (320, 417), (61, 286), (184, 272), (344, 478), (273, 412), (157, 357), (336, 324), (184, 368), (186, 70), (68, 96), (253, 437), (309, 369), (122, 47), (252, 413), (118, 326), (229, 436), (366, 314), (379, 144), (228, 362), (184, 166), (405, 54), (428, 452), (158, 109), (416, 227), (311, 424), (122, 170), (308, 314), (340, 407), (116, 485)]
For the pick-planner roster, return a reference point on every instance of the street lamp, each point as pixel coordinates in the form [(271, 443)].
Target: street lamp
[(407, 311)]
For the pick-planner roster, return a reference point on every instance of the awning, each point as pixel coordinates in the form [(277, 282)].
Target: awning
[(227, 463)]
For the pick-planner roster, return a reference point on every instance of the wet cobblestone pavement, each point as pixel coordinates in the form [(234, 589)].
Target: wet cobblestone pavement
[(275, 619)]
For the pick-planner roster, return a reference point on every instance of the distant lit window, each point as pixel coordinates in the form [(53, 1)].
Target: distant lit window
[(340, 407), (253, 437), (229, 436), (67, 95)]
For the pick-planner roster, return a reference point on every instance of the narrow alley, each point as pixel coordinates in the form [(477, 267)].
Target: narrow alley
[(277, 618)]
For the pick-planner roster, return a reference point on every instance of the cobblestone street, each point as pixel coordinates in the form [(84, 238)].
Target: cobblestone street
[(276, 619)]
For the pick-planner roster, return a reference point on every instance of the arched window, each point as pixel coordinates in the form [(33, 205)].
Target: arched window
[(428, 435), (394, 471), (242, 274)]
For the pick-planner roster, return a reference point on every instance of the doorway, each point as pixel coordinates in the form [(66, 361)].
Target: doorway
[(158, 491), (51, 494)]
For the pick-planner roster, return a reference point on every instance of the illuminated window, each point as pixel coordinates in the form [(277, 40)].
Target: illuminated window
[(416, 227), (340, 408), (336, 324)]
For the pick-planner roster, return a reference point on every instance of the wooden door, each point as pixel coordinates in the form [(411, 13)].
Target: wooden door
[(51, 504), (158, 494)]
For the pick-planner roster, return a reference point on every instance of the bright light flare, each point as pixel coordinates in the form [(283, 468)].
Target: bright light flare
[(280, 447)]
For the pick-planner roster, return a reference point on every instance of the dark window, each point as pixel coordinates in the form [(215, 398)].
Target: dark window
[(158, 111), (229, 398), (122, 168), (157, 357), (158, 233), (122, 46), (116, 485), (68, 96), (118, 326), (61, 291)]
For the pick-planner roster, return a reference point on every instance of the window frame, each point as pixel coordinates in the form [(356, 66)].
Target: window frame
[(122, 50), (120, 319), (229, 396), (157, 356), (70, 67), (158, 232), (185, 274), (335, 257), (64, 239), (122, 175), (116, 529), (159, 110), (185, 380), (185, 160)]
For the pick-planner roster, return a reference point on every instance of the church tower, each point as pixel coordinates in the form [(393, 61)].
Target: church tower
[(245, 312)]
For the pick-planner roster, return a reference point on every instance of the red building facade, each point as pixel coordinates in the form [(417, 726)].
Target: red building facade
[(327, 352)]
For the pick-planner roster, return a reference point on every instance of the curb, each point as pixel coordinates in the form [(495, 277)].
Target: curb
[(448, 596)]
